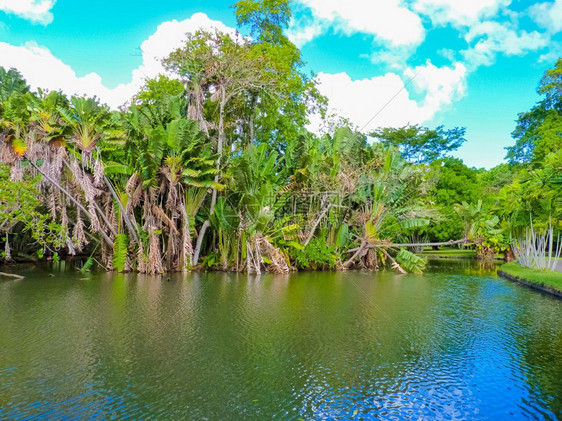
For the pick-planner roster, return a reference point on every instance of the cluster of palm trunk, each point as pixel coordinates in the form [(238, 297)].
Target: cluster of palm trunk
[(146, 190)]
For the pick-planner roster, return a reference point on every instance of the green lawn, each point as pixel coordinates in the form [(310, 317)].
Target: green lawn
[(449, 252), (546, 277), (453, 252)]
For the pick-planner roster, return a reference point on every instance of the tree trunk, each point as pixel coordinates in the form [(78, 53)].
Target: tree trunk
[(11, 275), (206, 225), (313, 229), (251, 122), (220, 145), (358, 254), (123, 213)]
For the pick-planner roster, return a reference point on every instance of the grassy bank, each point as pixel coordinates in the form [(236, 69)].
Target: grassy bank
[(452, 253), (544, 279)]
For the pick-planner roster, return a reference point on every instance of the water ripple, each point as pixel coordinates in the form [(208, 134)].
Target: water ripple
[(349, 345)]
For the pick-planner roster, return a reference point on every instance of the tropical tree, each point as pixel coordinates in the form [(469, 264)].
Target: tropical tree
[(421, 145), (11, 81), (454, 183), (539, 130), (168, 155)]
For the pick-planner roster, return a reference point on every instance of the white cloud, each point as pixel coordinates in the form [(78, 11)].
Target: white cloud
[(34, 10), (360, 100), (548, 15), (459, 12), (553, 53), (168, 37), (441, 86), (395, 58), (42, 69), (387, 20), (303, 31), (490, 38)]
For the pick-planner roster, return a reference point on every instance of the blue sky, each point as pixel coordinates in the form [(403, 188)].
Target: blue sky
[(474, 64)]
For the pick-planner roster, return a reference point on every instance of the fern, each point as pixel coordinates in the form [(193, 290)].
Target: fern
[(120, 246)]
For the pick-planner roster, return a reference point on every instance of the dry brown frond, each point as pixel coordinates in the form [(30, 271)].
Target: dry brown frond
[(134, 199), (132, 183), (98, 173), (141, 260), (7, 154), (192, 112), (154, 257), (110, 213), (172, 200), (106, 256), (159, 213), (94, 221), (278, 262), (52, 204), (78, 234), (16, 172)]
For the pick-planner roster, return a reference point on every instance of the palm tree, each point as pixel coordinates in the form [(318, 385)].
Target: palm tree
[(168, 155)]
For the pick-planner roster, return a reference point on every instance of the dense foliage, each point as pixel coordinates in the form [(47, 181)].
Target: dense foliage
[(214, 168)]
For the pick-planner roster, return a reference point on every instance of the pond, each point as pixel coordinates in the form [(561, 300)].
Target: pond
[(455, 343)]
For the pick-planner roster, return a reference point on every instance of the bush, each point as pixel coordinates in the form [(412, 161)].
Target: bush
[(317, 255)]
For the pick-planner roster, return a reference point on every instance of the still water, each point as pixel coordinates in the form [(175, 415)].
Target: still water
[(455, 343)]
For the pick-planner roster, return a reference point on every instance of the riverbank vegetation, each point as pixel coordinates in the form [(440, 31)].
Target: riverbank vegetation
[(545, 277), (212, 166)]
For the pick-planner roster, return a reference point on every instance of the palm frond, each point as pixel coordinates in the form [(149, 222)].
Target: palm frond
[(120, 246), (410, 261)]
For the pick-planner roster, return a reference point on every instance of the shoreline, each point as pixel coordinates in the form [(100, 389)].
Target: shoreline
[(548, 282)]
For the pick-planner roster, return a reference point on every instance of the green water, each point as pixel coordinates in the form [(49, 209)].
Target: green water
[(455, 343)]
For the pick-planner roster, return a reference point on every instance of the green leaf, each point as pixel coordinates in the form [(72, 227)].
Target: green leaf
[(120, 246), (343, 236), (87, 264), (188, 172), (410, 261), (413, 223)]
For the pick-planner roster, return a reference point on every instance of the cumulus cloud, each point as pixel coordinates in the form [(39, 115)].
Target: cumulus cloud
[(487, 39), (359, 100), (457, 12), (440, 86), (387, 20), (42, 69), (553, 53), (548, 15), (34, 10), (168, 37), (435, 88), (306, 27)]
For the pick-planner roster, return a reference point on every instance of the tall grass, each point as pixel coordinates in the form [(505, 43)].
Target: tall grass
[(537, 251)]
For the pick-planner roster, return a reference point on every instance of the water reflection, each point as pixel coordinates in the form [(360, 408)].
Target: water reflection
[(457, 342)]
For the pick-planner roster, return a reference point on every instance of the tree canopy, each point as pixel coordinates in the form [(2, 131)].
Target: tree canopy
[(539, 130), (421, 145)]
